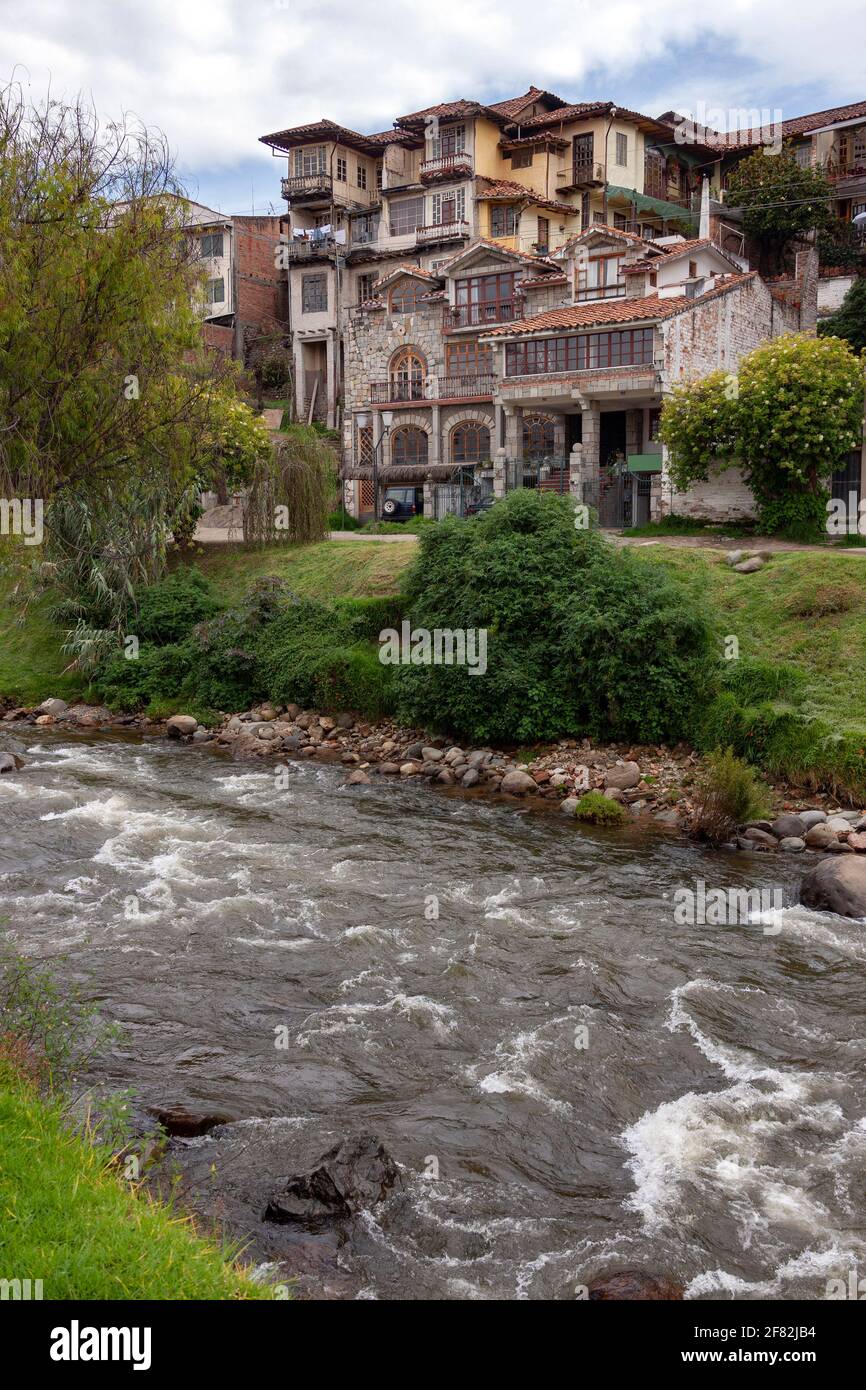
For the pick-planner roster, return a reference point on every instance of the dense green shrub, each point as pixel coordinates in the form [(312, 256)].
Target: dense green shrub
[(581, 638), (594, 808), (728, 794), (324, 655), (159, 674), (168, 611)]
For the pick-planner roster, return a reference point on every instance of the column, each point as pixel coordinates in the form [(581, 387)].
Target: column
[(499, 479), (434, 449)]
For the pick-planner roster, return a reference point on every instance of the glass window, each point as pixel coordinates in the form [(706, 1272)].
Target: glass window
[(362, 176), (216, 291), (314, 294), (341, 169), (407, 376), (504, 220), (621, 149), (403, 298), (310, 160), (539, 436), (521, 159), (470, 443), (407, 216), (212, 244), (408, 445), (540, 356)]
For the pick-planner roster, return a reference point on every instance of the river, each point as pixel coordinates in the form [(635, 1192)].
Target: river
[(573, 1083)]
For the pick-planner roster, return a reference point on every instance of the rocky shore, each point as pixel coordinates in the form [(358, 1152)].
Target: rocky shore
[(652, 783)]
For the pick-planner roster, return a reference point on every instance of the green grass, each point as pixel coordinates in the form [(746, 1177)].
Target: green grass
[(31, 662), (686, 526), (329, 569), (69, 1219)]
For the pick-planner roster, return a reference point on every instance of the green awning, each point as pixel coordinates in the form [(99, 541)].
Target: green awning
[(644, 463), (644, 203)]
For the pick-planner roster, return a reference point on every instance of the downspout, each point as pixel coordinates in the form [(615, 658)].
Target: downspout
[(606, 143)]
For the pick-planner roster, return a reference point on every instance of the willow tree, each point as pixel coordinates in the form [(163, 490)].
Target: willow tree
[(105, 395), (292, 492)]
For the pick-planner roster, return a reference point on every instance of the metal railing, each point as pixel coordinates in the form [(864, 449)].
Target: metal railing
[(446, 165), (440, 231), (457, 386), (476, 315)]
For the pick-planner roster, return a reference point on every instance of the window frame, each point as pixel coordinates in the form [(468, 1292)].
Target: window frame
[(397, 207), (320, 279), (402, 457), (579, 352)]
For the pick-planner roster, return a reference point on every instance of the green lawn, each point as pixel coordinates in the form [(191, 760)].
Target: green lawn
[(805, 608), (330, 569), (68, 1218)]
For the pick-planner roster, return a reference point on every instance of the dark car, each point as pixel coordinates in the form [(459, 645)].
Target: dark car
[(481, 506), (402, 503)]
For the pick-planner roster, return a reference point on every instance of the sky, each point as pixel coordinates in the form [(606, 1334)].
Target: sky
[(214, 75)]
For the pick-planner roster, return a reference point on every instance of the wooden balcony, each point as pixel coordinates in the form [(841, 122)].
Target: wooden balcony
[(587, 174), (446, 166), (309, 250), (441, 231), (460, 387), (303, 188), (482, 314)]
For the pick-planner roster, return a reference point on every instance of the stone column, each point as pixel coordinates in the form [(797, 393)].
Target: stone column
[(590, 453), (434, 453), (499, 480), (498, 425), (331, 383), (575, 472), (661, 491), (428, 495)]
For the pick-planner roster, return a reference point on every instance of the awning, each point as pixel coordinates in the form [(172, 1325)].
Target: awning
[(644, 463), (658, 206)]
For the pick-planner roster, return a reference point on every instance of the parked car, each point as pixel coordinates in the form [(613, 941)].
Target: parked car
[(481, 506), (402, 503)]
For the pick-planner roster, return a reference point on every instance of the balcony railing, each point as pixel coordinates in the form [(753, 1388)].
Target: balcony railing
[(306, 186), (400, 391), (309, 250), (446, 166), (441, 231), (479, 315)]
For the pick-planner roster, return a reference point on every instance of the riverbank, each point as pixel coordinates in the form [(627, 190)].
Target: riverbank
[(75, 1229)]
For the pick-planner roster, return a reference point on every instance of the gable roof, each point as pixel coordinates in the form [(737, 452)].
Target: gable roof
[(493, 189), (483, 244), (676, 251), (797, 125), (516, 104), (583, 110), (405, 269), (610, 311), (324, 130)]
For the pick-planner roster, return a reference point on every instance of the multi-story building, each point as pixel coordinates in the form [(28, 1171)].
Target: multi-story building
[(524, 174), (244, 288)]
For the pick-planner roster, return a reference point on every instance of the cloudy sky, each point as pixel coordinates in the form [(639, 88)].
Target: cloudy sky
[(217, 74)]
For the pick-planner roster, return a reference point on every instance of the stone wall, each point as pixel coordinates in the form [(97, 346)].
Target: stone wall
[(724, 497)]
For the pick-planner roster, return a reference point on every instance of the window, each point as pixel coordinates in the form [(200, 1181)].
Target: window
[(407, 216), (364, 445), (539, 436), (521, 159), (620, 221), (450, 140), (859, 143), (408, 446), (470, 443), (598, 219), (407, 374), (693, 270), (379, 178), (215, 291), (543, 234), (310, 160), (601, 278), (342, 171), (621, 149), (403, 298), (575, 353), (654, 422), (363, 230), (212, 244), (803, 155), (485, 299), (365, 287), (362, 176), (449, 207), (584, 211), (469, 359), (314, 294), (504, 220)]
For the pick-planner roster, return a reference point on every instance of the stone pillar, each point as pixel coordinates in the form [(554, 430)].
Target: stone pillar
[(428, 495), (575, 472), (590, 453), (498, 425), (331, 378), (499, 479), (514, 432), (434, 451), (661, 491)]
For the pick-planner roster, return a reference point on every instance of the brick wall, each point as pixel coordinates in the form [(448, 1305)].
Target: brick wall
[(218, 338), (261, 303)]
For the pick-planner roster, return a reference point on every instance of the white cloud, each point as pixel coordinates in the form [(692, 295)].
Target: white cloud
[(217, 74)]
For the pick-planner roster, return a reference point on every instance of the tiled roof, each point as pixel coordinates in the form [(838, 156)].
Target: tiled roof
[(583, 109), (613, 311), (488, 245), (680, 248), (406, 269), (449, 109), (604, 230), (516, 104), (508, 188), (531, 282), (330, 130), (798, 125)]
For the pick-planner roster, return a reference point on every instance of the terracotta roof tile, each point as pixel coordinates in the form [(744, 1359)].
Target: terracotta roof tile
[(508, 188), (613, 311), (516, 104)]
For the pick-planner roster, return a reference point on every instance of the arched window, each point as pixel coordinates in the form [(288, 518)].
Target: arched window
[(403, 298), (408, 370), (539, 436), (408, 446), (470, 442)]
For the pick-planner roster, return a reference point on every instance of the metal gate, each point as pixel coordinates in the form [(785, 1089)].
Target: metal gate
[(461, 496), (846, 481), (549, 474)]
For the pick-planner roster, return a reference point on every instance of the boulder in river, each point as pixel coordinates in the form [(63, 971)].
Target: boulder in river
[(9, 762), (632, 1285), (180, 725), (517, 783), (622, 776), (54, 707), (837, 884), (352, 1176), (182, 1123), (786, 826)]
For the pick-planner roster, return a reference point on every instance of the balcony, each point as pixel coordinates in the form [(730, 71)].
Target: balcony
[(482, 314), (441, 231), (446, 166), (303, 188), (403, 391), (309, 250), (583, 175)]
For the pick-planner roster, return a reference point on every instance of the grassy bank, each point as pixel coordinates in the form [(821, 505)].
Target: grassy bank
[(69, 1219), (331, 569)]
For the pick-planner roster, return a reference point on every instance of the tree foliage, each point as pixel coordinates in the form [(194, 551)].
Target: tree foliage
[(849, 320), (788, 420), (781, 201)]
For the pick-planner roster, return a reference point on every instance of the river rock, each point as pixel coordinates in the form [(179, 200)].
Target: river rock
[(857, 840), (179, 725), (345, 721), (446, 777), (839, 824), (89, 716), (820, 836), (839, 847), (760, 837), (9, 763), (734, 557), (810, 818), (786, 826), (389, 769), (357, 778), (470, 777), (351, 1177), (631, 1285), (623, 776), (836, 885), (455, 755), (432, 755), (792, 844), (410, 769), (749, 566), (517, 783), (183, 1124), (480, 758), (14, 714), (414, 751), (266, 731), (569, 805), (55, 707)]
